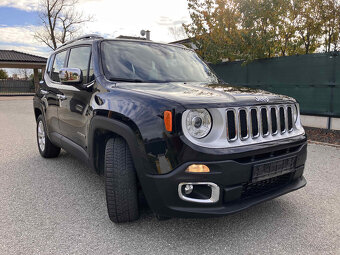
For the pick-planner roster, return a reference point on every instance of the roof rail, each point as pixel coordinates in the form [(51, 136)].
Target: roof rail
[(84, 37), (179, 45)]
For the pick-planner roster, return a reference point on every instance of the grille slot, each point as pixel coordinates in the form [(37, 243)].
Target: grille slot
[(282, 120), (243, 124), (274, 120), (264, 119), (259, 121), (231, 125), (290, 118), (254, 123)]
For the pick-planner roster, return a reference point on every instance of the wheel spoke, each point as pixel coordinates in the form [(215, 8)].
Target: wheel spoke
[(41, 135)]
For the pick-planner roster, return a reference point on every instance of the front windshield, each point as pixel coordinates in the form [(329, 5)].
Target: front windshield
[(152, 62)]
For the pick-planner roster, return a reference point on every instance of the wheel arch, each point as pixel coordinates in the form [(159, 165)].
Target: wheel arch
[(37, 112), (38, 107), (103, 128)]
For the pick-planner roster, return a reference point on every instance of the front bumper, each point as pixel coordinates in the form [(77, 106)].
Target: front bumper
[(233, 177)]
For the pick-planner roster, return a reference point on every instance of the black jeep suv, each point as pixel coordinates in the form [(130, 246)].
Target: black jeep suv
[(154, 118)]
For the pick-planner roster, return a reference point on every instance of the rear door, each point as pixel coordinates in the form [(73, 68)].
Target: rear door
[(49, 90), (74, 108)]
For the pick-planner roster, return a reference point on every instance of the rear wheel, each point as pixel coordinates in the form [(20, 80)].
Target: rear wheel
[(46, 148), (120, 182)]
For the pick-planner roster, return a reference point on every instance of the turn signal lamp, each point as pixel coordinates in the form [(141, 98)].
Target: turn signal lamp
[(198, 169), (168, 120)]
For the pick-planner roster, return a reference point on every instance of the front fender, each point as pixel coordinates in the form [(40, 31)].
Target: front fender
[(119, 128)]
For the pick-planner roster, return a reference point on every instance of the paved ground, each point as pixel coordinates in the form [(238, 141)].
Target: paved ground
[(58, 206)]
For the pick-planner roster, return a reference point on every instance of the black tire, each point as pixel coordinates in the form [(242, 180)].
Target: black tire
[(120, 182), (49, 150)]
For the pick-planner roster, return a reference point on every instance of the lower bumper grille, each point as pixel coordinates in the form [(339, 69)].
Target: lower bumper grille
[(259, 188)]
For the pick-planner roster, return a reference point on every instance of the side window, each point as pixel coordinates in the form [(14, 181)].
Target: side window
[(58, 63), (49, 66), (91, 71), (79, 58)]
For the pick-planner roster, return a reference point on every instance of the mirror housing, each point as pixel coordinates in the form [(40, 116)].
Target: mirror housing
[(70, 75)]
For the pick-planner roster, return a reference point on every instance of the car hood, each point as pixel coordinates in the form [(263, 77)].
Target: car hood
[(207, 95)]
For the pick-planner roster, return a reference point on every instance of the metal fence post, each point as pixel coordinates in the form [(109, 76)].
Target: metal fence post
[(333, 55)]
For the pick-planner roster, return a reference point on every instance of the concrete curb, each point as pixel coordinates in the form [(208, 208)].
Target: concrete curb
[(325, 144), (16, 95)]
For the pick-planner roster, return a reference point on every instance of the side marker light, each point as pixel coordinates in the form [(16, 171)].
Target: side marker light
[(168, 120)]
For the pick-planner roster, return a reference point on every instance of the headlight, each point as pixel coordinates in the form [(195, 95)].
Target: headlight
[(198, 123)]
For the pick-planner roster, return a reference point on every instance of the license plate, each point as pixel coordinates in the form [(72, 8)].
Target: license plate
[(273, 168)]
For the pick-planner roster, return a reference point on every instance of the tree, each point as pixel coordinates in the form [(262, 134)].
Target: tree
[(60, 22), (24, 73), (3, 74), (286, 41), (177, 32), (309, 24), (260, 27), (253, 29), (31, 77), (330, 15), (214, 28)]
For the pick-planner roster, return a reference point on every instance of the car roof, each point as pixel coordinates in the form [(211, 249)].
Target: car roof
[(95, 40)]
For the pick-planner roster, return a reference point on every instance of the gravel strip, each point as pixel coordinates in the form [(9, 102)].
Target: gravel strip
[(323, 135)]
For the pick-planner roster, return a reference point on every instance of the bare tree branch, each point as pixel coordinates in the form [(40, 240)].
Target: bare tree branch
[(177, 32), (60, 21)]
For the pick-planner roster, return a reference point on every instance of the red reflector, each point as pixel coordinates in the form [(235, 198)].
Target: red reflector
[(168, 120)]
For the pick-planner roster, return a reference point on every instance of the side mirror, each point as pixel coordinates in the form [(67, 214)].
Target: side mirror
[(70, 75)]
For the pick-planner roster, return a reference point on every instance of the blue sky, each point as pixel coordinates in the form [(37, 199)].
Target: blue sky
[(10, 16), (14, 21), (19, 20)]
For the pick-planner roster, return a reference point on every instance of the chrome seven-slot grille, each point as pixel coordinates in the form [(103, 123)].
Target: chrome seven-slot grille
[(251, 122)]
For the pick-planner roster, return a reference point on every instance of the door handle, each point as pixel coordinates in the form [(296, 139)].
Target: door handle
[(61, 97), (43, 92)]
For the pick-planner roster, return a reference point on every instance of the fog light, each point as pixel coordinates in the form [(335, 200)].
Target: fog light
[(188, 189), (198, 169), (199, 192)]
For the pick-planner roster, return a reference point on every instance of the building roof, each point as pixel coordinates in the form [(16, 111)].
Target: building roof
[(16, 56)]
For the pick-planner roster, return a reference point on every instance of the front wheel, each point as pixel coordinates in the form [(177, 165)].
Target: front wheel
[(46, 148), (120, 182)]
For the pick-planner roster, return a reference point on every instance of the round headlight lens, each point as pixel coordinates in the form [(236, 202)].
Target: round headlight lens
[(198, 123)]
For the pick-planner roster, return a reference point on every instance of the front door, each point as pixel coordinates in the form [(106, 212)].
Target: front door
[(74, 109)]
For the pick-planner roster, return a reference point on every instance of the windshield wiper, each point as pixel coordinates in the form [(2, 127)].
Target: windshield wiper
[(125, 79)]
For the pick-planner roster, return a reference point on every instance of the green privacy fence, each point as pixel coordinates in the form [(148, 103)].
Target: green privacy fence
[(16, 87), (313, 79)]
